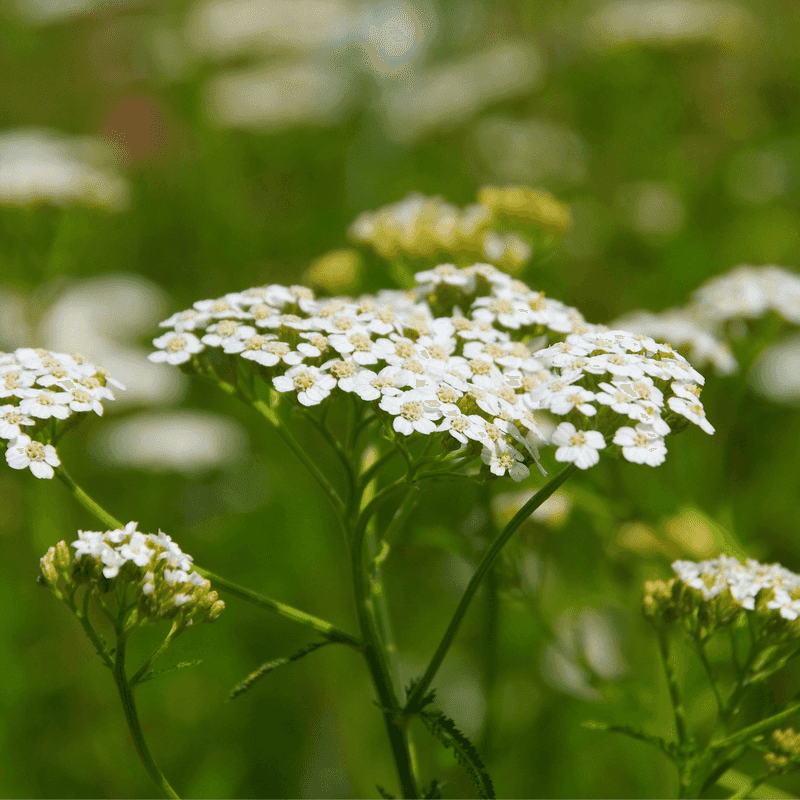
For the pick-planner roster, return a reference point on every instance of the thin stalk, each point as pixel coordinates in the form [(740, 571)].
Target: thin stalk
[(745, 734), (297, 449), (701, 652), (132, 718), (486, 562), (87, 502), (375, 655), (155, 655), (674, 690), (327, 629)]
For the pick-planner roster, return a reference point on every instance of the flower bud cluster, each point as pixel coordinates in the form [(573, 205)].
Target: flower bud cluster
[(158, 570), (42, 394), (471, 354), (787, 750), (427, 227)]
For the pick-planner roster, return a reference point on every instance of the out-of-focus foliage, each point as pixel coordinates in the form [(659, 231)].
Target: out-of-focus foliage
[(154, 154)]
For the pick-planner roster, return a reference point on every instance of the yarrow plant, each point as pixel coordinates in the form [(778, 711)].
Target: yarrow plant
[(467, 375), (754, 607)]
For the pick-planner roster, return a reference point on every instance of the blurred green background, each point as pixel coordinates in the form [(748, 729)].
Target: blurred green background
[(234, 143)]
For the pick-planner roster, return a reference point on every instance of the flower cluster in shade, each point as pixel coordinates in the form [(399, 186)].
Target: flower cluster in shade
[(427, 227), (745, 582), (470, 354), (161, 573), (41, 394), (700, 327)]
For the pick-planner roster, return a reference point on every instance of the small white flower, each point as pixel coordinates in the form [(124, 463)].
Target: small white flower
[(639, 448), (23, 452), (44, 405), (311, 384), (413, 410), (504, 459), (693, 411), (579, 447), (10, 420), (176, 348)]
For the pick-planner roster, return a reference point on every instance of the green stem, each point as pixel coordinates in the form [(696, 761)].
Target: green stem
[(701, 652), (486, 562), (674, 690), (87, 502), (375, 655), (327, 629), (132, 718), (141, 673), (745, 734), (297, 449)]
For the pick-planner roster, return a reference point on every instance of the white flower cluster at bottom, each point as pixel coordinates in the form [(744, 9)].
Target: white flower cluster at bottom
[(744, 581)]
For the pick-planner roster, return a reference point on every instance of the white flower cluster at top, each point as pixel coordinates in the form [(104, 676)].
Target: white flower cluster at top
[(744, 581), (40, 390), (465, 354), (154, 563)]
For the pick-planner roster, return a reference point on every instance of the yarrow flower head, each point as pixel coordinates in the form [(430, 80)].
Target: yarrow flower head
[(157, 570), (41, 395), (470, 355), (721, 588)]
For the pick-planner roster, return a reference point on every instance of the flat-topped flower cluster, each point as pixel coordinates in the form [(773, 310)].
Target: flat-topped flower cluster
[(470, 354), (159, 570), (39, 391), (745, 581)]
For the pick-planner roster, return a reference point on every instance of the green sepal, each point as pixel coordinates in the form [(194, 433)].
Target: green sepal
[(264, 669), (444, 729)]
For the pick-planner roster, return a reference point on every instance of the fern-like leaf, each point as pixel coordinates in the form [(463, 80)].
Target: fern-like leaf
[(425, 700), (270, 666), (434, 791), (445, 730), (383, 793)]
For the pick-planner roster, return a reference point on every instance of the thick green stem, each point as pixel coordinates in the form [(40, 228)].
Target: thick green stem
[(132, 718), (486, 562)]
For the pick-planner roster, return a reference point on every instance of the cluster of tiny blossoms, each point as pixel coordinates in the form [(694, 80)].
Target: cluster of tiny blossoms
[(744, 581), (471, 354), (154, 564), (426, 227), (40, 394)]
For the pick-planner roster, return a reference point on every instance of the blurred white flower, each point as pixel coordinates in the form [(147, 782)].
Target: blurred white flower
[(668, 22), (450, 93), (776, 373), (172, 441), (40, 166)]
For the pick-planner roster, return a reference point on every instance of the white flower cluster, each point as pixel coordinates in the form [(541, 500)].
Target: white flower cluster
[(743, 293), (483, 375), (160, 569), (744, 581), (750, 292), (37, 388)]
